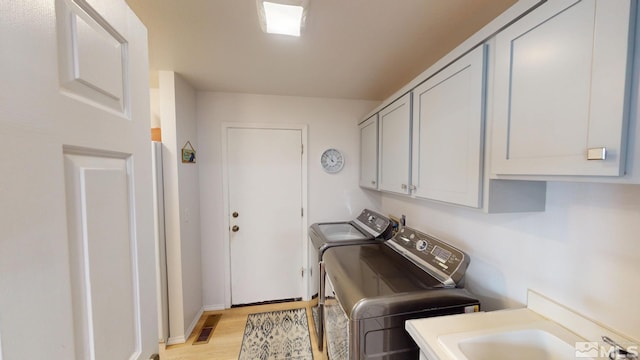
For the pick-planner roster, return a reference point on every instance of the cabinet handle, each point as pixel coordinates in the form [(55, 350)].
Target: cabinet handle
[(599, 153), (403, 186)]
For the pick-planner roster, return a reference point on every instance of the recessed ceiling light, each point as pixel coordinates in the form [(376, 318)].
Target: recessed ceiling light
[(285, 17)]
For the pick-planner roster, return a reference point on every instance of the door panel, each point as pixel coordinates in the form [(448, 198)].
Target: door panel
[(448, 132), (369, 153), (77, 250), (265, 190), (93, 56), (562, 80), (100, 242), (395, 146)]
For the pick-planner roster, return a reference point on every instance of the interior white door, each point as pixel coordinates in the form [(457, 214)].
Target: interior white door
[(265, 213), (76, 247)]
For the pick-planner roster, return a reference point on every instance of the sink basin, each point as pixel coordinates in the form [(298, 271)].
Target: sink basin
[(530, 344), (544, 330), (542, 342)]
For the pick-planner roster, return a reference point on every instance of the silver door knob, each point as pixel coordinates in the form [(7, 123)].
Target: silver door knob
[(235, 228)]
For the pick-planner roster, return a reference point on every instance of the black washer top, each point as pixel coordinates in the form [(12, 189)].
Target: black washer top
[(374, 280)]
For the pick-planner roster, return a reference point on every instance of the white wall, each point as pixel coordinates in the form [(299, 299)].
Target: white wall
[(332, 123), (182, 205), (583, 251)]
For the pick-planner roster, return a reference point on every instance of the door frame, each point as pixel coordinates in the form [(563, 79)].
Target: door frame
[(225, 195)]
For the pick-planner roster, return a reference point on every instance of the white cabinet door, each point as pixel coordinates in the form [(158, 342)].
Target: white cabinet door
[(448, 118), (369, 153), (395, 146), (562, 88)]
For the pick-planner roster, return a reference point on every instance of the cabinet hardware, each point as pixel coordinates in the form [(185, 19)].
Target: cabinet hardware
[(412, 187), (599, 153), (403, 186)]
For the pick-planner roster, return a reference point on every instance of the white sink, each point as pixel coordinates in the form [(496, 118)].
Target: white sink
[(540, 341), (544, 330)]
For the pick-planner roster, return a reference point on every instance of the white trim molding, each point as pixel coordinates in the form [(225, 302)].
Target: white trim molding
[(181, 339)]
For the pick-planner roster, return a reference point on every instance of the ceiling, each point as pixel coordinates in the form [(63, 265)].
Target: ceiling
[(350, 49)]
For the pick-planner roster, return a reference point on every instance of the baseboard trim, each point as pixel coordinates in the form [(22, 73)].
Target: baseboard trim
[(183, 338), (214, 307), (176, 340), (267, 302), (194, 322)]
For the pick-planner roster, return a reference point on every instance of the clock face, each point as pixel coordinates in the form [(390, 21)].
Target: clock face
[(332, 160)]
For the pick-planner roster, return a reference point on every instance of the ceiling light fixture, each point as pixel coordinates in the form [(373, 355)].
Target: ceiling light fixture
[(286, 17)]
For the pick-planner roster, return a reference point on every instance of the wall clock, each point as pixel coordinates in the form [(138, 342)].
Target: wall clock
[(332, 161)]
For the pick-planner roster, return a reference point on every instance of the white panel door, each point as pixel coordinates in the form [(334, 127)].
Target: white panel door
[(562, 76), (265, 214), (395, 146), (448, 132), (369, 153), (76, 248)]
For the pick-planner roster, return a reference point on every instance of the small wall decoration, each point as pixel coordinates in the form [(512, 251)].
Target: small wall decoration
[(188, 153)]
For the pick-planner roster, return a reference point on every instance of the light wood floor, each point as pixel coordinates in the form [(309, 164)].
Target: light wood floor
[(227, 337)]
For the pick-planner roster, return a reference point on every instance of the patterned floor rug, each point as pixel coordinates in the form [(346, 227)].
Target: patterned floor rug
[(277, 335), (337, 332)]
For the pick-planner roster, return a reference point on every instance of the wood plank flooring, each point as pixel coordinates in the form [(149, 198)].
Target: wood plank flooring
[(227, 337)]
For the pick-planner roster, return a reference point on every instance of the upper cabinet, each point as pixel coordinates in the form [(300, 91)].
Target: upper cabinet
[(561, 90), (448, 132), (551, 94), (395, 146), (369, 153)]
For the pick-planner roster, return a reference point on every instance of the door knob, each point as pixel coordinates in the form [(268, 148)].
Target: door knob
[(235, 228), (235, 214)]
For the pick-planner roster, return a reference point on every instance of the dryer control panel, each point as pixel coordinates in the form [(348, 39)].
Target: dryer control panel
[(443, 261), (375, 224)]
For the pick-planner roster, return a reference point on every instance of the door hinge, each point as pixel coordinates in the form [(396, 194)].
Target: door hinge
[(302, 272), (301, 212), (302, 151)]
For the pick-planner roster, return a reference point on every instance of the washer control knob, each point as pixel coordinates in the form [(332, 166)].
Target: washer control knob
[(421, 245), (371, 218)]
